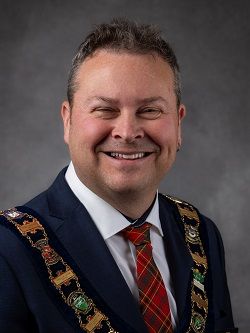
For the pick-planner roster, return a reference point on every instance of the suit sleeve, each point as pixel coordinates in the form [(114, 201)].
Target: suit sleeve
[(223, 318), (14, 314)]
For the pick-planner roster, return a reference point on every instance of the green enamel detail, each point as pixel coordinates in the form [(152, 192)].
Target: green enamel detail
[(80, 303), (197, 323), (199, 277)]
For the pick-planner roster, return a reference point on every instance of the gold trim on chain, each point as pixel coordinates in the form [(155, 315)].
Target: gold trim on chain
[(90, 318), (199, 300)]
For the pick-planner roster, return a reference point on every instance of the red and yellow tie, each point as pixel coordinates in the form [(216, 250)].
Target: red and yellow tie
[(152, 293)]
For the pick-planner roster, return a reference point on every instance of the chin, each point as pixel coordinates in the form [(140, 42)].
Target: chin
[(128, 187)]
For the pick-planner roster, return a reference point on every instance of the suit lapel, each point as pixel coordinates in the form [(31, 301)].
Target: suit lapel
[(179, 259), (79, 235)]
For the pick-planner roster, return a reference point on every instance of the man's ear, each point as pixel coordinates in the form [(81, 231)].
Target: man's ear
[(65, 113), (181, 115)]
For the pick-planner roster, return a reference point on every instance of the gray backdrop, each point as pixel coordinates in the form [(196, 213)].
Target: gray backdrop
[(211, 39)]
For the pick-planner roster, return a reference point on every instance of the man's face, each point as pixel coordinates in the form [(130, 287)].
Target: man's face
[(124, 127)]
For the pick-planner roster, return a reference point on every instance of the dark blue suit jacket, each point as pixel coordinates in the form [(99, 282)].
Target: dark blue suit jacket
[(26, 306)]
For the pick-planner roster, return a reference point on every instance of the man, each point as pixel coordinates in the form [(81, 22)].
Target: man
[(79, 256)]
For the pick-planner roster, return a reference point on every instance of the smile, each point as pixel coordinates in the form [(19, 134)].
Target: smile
[(133, 156)]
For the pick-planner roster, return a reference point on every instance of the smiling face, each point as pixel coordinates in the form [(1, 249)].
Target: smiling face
[(123, 129)]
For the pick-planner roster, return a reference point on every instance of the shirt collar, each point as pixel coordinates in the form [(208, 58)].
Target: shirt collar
[(107, 219)]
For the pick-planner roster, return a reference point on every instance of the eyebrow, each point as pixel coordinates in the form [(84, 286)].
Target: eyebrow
[(153, 99), (104, 99), (139, 101)]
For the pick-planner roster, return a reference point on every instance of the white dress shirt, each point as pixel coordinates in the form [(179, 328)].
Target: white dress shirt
[(110, 222)]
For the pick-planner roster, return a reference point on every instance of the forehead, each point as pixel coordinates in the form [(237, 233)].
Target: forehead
[(109, 72)]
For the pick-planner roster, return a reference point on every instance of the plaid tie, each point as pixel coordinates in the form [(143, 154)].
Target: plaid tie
[(153, 296)]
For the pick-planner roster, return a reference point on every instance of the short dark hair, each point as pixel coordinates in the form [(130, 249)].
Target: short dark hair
[(123, 35)]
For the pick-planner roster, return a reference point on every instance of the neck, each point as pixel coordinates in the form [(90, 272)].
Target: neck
[(130, 204)]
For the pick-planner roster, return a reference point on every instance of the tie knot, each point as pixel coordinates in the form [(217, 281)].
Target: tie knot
[(138, 235)]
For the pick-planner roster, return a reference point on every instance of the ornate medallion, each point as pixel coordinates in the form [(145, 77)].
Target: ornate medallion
[(198, 323), (79, 301), (13, 213), (192, 234), (48, 254)]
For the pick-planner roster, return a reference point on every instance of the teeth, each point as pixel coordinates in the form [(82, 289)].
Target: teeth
[(128, 156)]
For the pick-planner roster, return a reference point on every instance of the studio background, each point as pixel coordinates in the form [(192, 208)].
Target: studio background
[(212, 171)]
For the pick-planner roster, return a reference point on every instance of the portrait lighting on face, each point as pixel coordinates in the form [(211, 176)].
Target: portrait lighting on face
[(102, 250)]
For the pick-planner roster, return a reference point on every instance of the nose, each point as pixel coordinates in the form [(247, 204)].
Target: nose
[(128, 128)]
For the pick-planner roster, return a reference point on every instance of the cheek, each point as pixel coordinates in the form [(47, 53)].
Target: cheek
[(89, 132), (164, 134)]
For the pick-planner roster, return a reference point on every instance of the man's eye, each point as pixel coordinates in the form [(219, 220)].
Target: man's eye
[(149, 113), (105, 113)]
